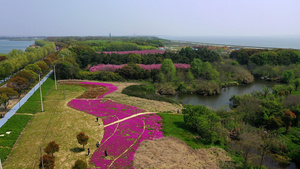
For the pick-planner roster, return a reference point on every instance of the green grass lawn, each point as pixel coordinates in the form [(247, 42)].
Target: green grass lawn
[(33, 103), (173, 125), (58, 123), (15, 124)]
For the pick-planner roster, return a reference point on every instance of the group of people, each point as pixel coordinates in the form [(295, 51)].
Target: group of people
[(97, 144)]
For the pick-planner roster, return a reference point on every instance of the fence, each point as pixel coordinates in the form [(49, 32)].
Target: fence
[(12, 111)]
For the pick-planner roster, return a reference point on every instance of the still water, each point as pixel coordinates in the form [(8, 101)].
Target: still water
[(6, 45), (222, 100)]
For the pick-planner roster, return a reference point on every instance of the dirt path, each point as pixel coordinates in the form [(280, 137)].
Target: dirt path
[(126, 118)]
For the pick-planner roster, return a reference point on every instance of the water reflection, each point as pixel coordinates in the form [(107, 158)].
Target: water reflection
[(222, 100)]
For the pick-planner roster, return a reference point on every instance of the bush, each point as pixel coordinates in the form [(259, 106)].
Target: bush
[(79, 164)]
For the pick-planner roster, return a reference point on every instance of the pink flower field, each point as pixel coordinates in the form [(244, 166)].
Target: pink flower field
[(140, 52), (122, 139), (113, 68)]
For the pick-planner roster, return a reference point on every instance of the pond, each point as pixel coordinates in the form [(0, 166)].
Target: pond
[(222, 100)]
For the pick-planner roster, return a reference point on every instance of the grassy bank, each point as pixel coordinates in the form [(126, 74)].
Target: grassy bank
[(18, 121), (173, 125), (33, 103), (58, 123)]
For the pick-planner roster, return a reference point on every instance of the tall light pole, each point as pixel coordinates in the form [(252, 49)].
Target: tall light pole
[(55, 78), (41, 92)]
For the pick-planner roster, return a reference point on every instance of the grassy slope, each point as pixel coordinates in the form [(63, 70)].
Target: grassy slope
[(34, 101), (173, 125), (17, 122), (61, 124)]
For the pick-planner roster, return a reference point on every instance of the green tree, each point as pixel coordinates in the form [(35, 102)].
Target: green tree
[(134, 58), (82, 138), (168, 69), (288, 76), (79, 164), (34, 67), (297, 83), (205, 122), (189, 76), (51, 148), (196, 67), (266, 91)]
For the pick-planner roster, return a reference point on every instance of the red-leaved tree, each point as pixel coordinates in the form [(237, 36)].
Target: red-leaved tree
[(18, 84), (287, 118), (48, 161), (82, 138), (51, 148)]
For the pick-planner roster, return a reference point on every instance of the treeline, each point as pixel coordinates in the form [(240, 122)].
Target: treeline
[(261, 56), (86, 56), (110, 44), (206, 78), (25, 79), (16, 60), (278, 64)]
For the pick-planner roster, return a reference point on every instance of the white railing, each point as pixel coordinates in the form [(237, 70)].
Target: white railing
[(12, 111)]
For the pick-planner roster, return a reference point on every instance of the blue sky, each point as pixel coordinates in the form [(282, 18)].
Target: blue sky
[(149, 17)]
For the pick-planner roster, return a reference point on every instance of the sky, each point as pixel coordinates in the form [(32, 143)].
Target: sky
[(149, 17)]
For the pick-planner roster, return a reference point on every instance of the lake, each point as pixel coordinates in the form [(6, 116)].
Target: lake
[(222, 100), (6, 45)]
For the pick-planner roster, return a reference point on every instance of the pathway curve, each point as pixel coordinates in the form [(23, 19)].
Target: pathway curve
[(126, 118), (125, 128)]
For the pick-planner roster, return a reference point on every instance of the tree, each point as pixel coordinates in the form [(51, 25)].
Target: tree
[(79, 164), (18, 84), (82, 138), (297, 83), (266, 139), (27, 74), (287, 118), (5, 95), (134, 58), (205, 122), (51, 148), (266, 91), (288, 76), (48, 161), (196, 67), (34, 67), (168, 69)]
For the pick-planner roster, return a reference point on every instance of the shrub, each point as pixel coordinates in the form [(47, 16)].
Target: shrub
[(79, 164)]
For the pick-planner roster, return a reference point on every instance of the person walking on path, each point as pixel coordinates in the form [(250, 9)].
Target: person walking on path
[(97, 145), (97, 118), (88, 151)]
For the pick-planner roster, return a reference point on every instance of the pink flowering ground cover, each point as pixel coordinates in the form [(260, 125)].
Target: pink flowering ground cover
[(140, 52), (120, 140), (113, 68)]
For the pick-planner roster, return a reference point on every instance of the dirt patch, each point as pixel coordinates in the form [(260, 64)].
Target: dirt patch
[(93, 91), (171, 152)]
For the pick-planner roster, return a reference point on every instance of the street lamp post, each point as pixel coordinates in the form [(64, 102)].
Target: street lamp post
[(55, 78), (41, 92)]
